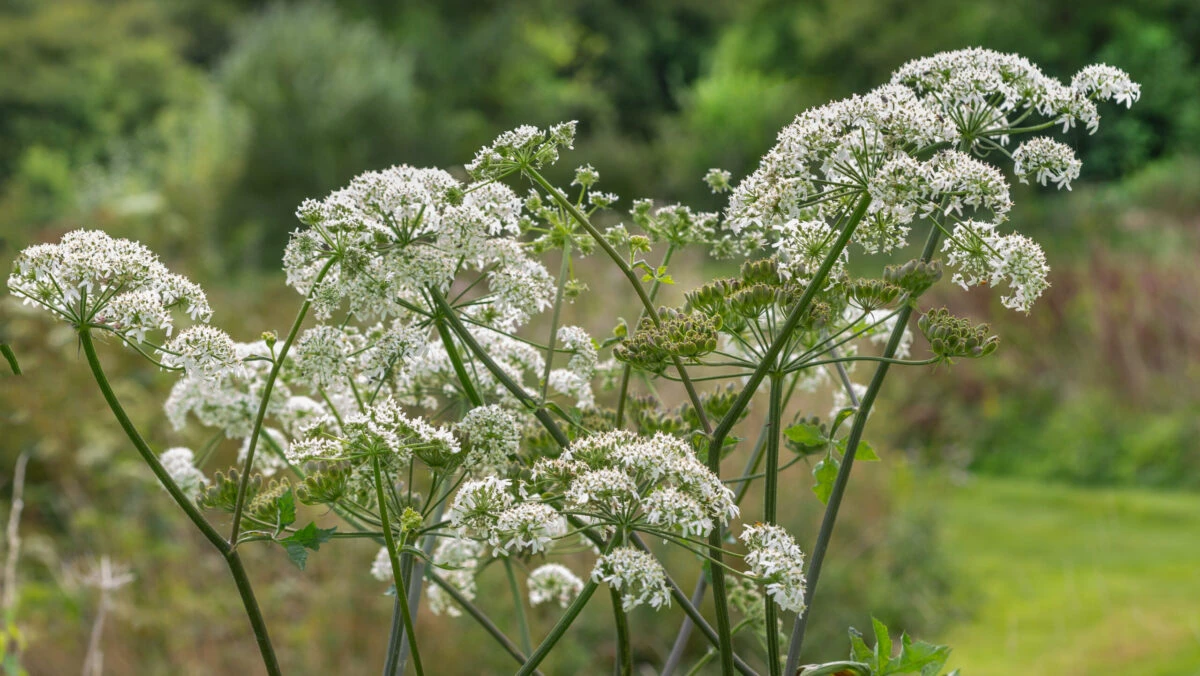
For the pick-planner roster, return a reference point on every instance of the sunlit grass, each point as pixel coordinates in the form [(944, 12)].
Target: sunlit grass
[(1075, 581)]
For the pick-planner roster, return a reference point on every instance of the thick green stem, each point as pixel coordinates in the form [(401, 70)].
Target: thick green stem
[(771, 504), (249, 602), (397, 571), (843, 477), (717, 439), (624, 649), (518, 606), (456, 361), (559, 629), (517, 391), (240, 503), (396, 650), (647, 302), (482, 619)]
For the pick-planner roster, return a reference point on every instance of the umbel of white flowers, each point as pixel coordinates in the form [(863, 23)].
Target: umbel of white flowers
[(907, 145)]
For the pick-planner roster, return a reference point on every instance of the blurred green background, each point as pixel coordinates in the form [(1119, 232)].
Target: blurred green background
[(1038, 511)]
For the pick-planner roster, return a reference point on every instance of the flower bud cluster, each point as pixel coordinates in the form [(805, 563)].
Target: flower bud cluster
[(676, 334), (951, 336)]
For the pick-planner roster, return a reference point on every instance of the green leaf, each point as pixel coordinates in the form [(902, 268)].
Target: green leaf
[(920, 656), (864, 451), (806, 433), (825, 472), (308, 538), (858, 647), (11, 358), (841, 418), (286, 504), (667, 279), (883, 643)]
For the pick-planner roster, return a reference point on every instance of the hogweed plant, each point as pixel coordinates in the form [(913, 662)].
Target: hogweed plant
[(411, 398)]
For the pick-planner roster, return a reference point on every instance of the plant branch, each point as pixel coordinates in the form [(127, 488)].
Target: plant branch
[(234, 561), (829, 519)]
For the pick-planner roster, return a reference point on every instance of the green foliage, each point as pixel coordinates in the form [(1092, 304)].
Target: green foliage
[(300, 543)]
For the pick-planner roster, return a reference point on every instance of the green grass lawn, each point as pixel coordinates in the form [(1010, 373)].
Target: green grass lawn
[(1075, 581)]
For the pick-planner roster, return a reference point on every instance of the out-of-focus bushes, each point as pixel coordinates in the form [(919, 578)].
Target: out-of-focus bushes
[(1102, 386)]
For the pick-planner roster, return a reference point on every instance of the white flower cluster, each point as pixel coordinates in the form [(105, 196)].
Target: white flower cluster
[(527, 527), (202, 351), (90, 278), (553, 582), (776, 560), (230, 401), (637, 575), (494, 435), (180, 465), (619, 476), (1044, 159), (981, 86), (525, 146), (890, 149), (383, 431), (982, 256), (576, 379), (391, 234), (828, 147)]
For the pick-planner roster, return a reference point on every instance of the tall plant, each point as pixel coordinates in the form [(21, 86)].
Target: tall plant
[(411, 397)]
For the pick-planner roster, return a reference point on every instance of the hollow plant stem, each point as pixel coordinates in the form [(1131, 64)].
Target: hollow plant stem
[(240, 503), (623, 265), (241, 580), (481, 618), (397, 572), (518, 607), (624, 650), (829, 519), (771, 505), (717, 438)]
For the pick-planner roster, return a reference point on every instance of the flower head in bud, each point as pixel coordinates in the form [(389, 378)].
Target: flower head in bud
[(914, 277), (951, 336), (326, 485), (676, 334)]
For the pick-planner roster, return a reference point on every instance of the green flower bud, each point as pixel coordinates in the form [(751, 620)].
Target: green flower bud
[(222, 493), (951, 336), (325, 485), (915, 276)]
